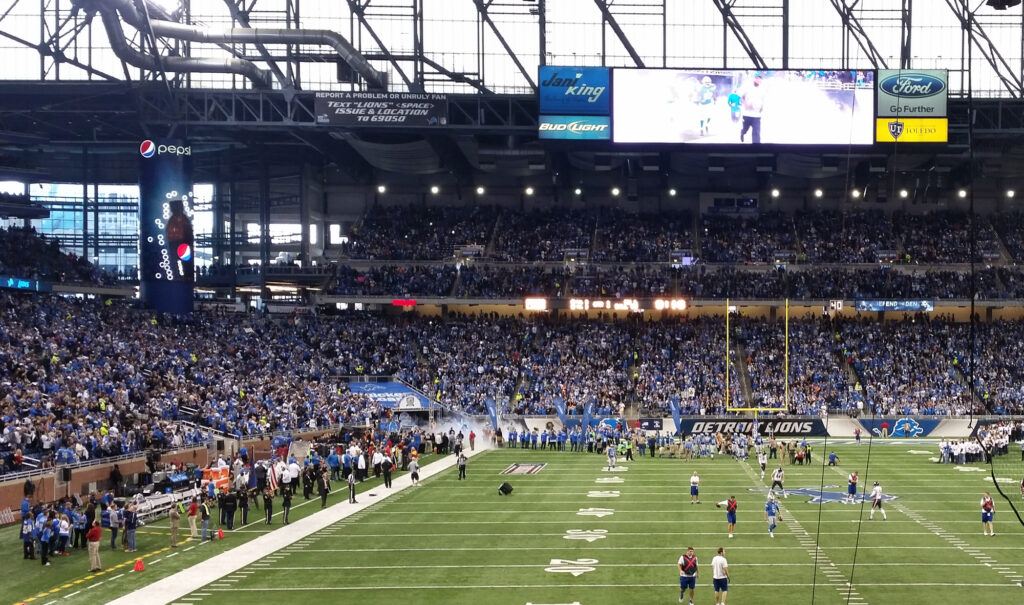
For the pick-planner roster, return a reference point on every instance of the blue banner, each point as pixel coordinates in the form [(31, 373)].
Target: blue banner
[(574, 90), (576, 128), (673, 404), (925, 306), (588, 412), (16, 283), (391, 394), (560, 408), (492, 411), (900, 426)]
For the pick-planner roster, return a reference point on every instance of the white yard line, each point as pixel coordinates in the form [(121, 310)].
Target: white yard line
[(191, 579)]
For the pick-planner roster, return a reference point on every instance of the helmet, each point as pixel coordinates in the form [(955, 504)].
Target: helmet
[(876, 483), (771, 496), (706, 80)]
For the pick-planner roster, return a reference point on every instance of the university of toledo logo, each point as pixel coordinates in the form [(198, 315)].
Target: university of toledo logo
[(819, 495), (895, 128), (907, 427), (147, 148)]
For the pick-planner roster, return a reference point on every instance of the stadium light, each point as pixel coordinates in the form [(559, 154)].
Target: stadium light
[(962, 193), (818, 193), (672, 192), (577, 191), (775, 193), (904, 193), (480, 190), (528, 191), (435, 189), (855, 193), (616, 191), (382, 189), (1010, 193)]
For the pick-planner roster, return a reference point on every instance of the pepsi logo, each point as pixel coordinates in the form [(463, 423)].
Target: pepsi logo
[(185, 252), (147, 148)]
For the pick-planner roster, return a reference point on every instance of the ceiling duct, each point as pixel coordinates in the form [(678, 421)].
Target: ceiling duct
[(376, 80), (119, 44)]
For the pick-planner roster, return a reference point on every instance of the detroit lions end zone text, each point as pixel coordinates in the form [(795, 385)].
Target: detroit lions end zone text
[(780, 427)]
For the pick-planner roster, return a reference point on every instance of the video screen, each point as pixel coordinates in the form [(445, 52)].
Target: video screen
[(743, 107)]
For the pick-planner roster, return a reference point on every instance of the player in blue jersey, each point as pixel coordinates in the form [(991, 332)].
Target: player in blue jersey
[(705, 99), (730, 512), (851, 489), (688, 572), (771, 513)]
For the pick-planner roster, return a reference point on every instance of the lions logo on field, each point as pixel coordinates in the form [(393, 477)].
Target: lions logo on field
[(907, 427), (819, 495)]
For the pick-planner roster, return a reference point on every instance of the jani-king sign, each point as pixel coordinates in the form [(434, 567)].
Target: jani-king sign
[(574, 90)]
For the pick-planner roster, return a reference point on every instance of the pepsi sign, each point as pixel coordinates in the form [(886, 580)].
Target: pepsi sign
[(574, 90), (919, 93), (148, 149)]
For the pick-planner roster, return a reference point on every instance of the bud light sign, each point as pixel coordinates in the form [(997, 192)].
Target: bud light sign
[(576, 128), (574, 90)]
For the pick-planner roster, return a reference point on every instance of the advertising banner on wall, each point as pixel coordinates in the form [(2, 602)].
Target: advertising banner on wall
[(912, 130), (901, 426), (575, 128), (166, 239), (574, 90), (805, 427), (921, 93), (381, 109), (912, 306), (391, 395)]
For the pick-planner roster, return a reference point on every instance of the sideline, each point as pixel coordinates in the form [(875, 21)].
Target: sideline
[(193, 578)]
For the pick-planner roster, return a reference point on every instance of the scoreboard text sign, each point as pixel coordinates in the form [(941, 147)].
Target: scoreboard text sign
[(381, 109)]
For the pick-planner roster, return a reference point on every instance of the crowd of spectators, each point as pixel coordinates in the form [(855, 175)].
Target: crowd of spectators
[(856, 236), (543, 235), (909, 366), (746, 239), (945, 237), (392, 280), (419, 233), (503, 281), (625, 238), (84, 380), (26, 254)]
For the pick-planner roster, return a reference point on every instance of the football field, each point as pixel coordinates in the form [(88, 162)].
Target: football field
[(575, 532)]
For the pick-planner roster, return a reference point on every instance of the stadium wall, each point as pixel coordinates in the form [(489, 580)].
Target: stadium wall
[(87, 479)]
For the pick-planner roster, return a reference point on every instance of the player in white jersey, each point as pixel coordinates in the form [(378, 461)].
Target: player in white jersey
[(611, 457), (876, 502), (778, 476), (762, 459)]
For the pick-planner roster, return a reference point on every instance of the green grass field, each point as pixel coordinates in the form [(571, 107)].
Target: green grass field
[(459, 542)]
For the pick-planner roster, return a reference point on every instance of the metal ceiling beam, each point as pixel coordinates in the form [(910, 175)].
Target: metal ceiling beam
[(853, 27), (242, 18), (977, 36), (609, 18), (359, 10), (481, 7), (905, 33), (733, 25)]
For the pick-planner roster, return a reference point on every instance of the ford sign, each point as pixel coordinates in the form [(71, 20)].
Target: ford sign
[(912, 85)]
